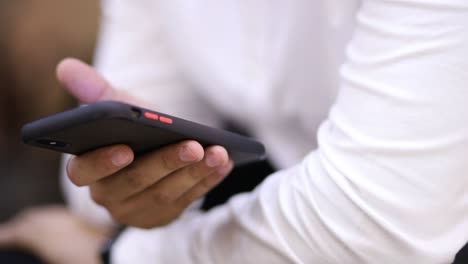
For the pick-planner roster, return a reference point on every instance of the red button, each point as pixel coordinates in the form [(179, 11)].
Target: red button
[(166, 120), (151, 116)]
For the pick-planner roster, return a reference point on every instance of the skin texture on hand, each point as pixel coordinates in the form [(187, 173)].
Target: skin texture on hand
[(145, 191), (55, 235)]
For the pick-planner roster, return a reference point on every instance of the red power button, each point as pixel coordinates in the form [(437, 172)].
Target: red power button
[(151, 116), (166, 120), (155, 117)]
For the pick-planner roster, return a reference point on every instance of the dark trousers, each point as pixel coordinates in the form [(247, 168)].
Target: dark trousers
[(462, 256), (18, 257)]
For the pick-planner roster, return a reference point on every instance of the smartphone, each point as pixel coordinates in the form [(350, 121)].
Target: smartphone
[(106, 123)]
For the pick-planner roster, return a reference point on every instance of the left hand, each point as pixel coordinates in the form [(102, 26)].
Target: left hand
[(147, 191), (55, 235)]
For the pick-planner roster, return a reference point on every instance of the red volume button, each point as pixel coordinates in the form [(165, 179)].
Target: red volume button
[(151, 116), (166, 120)]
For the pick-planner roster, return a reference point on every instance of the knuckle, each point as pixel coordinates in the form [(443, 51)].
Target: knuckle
[(195, 173), (169, 162), (160, 198), (134, 178), (135, 182)]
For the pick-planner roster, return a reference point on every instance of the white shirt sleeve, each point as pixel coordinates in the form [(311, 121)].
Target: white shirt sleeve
[(388, 183), (148, 72)]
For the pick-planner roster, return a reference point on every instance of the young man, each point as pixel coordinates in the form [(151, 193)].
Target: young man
[(387, 182)]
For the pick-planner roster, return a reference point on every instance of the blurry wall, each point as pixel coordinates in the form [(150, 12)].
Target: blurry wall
[(34, 36)]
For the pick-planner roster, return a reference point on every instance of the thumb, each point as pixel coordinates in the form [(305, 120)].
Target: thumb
[(84, 82)]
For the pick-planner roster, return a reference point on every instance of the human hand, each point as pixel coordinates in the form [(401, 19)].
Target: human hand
[(145, 191), (54, 235)]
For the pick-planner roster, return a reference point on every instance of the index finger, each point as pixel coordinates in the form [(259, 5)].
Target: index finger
[(147, 170), (95, 165)]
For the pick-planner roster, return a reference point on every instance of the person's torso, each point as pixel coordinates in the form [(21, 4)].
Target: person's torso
[(271, 66)]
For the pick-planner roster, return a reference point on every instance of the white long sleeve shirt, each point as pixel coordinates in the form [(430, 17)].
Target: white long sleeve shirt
[(362, 104)]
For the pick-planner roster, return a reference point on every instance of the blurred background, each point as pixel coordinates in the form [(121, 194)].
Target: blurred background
[(34, 36)]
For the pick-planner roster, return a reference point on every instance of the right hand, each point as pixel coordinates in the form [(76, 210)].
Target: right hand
[(145, 191)]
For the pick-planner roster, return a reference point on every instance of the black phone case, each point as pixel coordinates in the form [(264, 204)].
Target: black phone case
[(107, 123)]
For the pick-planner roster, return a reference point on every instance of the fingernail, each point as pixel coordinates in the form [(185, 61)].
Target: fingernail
[(120, 158), (186, 154), (212, 160)]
